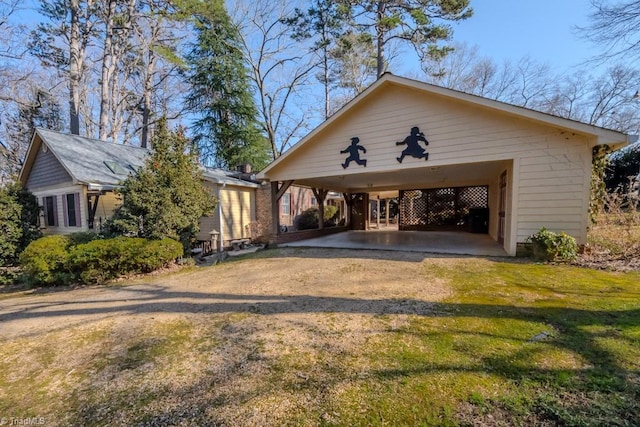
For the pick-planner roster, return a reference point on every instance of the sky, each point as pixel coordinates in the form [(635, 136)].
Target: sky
[(510, 30), (541, 29)]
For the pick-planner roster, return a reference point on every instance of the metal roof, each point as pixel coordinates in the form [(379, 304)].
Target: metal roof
[(104, 165), (91, 161)]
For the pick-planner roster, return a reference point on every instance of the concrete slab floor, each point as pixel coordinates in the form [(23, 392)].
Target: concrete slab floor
[(443, 242)]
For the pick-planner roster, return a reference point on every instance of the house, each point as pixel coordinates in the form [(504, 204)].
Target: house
[(74, 179), (235, 213), (451, 160), (298, 199)]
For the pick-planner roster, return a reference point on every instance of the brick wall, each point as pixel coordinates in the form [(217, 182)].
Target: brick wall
[(263, 212), (294, 236)]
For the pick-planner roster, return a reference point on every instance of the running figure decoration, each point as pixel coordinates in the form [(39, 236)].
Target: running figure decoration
[(354, 153), (414, 149)]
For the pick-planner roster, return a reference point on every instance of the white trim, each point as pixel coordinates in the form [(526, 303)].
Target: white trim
[(513, 191)]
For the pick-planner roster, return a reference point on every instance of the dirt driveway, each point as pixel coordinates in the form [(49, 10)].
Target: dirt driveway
[(205, 344), (295, 281)]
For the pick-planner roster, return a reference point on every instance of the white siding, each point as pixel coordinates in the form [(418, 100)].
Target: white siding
[(60, 192), (236, 206), (550, 170), (238, 211)]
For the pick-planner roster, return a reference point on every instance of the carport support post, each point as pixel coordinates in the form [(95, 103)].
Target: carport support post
[(275, 209), (348, 199), (387, 213), (320, 197)]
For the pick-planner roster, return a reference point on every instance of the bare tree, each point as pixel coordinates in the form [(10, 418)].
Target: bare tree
[(280, 69), (356, 63), (605, 100), (616, 27), (155, 69), (62, 43)]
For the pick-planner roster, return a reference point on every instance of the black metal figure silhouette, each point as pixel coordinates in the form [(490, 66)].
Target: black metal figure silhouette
[(354, 153), (413, 148)]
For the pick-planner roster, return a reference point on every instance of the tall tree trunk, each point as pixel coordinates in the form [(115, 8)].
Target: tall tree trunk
[(325, 60), (380, 33), (148, 91), (108, 68), (74, 69)]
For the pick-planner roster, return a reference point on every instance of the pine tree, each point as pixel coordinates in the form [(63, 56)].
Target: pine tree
[(423, 23), (166, 197), (19, 212), (227, 132)]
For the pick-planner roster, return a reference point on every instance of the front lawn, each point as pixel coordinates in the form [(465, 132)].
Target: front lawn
[(328, 337)]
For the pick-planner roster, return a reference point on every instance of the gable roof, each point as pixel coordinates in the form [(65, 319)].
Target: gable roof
[(98, 164), (599, 135), (104, 165)]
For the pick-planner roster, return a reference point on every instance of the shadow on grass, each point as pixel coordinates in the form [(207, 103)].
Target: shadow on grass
[(603, 373), (579, 331)]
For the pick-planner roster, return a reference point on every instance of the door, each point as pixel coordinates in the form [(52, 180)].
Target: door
[(502, 209)]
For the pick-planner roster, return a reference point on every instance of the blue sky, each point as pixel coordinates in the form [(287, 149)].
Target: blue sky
[(512, 29), (542, 29)]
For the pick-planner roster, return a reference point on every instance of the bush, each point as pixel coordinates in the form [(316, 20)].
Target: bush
[(56, 260), (44, 261), (81, 237), (158, 254), (102, 260), (8, 276), (549, 246), (18, 222), (308, 219)]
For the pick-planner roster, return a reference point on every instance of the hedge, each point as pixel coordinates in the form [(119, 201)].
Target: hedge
[(55, 260), (44, 261)]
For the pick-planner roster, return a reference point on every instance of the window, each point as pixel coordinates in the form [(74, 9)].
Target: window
[(71, 205), (314, 202), (50, 211), (285, 204)]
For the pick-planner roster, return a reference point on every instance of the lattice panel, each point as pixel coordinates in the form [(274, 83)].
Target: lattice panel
[(440, 207), (473, 197), (412, 205)]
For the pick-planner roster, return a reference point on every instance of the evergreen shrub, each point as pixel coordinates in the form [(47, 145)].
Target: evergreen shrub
[(549, 246), (56, 260), (308, 220), (44, 261)]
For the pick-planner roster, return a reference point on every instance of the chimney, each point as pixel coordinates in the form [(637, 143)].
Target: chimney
[(245, 168)]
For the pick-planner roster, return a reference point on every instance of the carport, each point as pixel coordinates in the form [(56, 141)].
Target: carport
[(470, 174)]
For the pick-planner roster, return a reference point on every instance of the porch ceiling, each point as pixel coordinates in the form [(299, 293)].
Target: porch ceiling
[(410, 178)]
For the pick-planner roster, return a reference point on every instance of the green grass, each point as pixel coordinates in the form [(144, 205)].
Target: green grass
[(476, 356)]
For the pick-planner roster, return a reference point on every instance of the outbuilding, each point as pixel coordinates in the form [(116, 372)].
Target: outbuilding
[(450, 160)]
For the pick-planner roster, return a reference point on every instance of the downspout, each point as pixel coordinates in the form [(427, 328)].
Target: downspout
[(221, 238)]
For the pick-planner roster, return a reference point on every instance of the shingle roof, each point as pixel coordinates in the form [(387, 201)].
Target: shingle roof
[(90, 161), (221, 176), (105, 165)]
